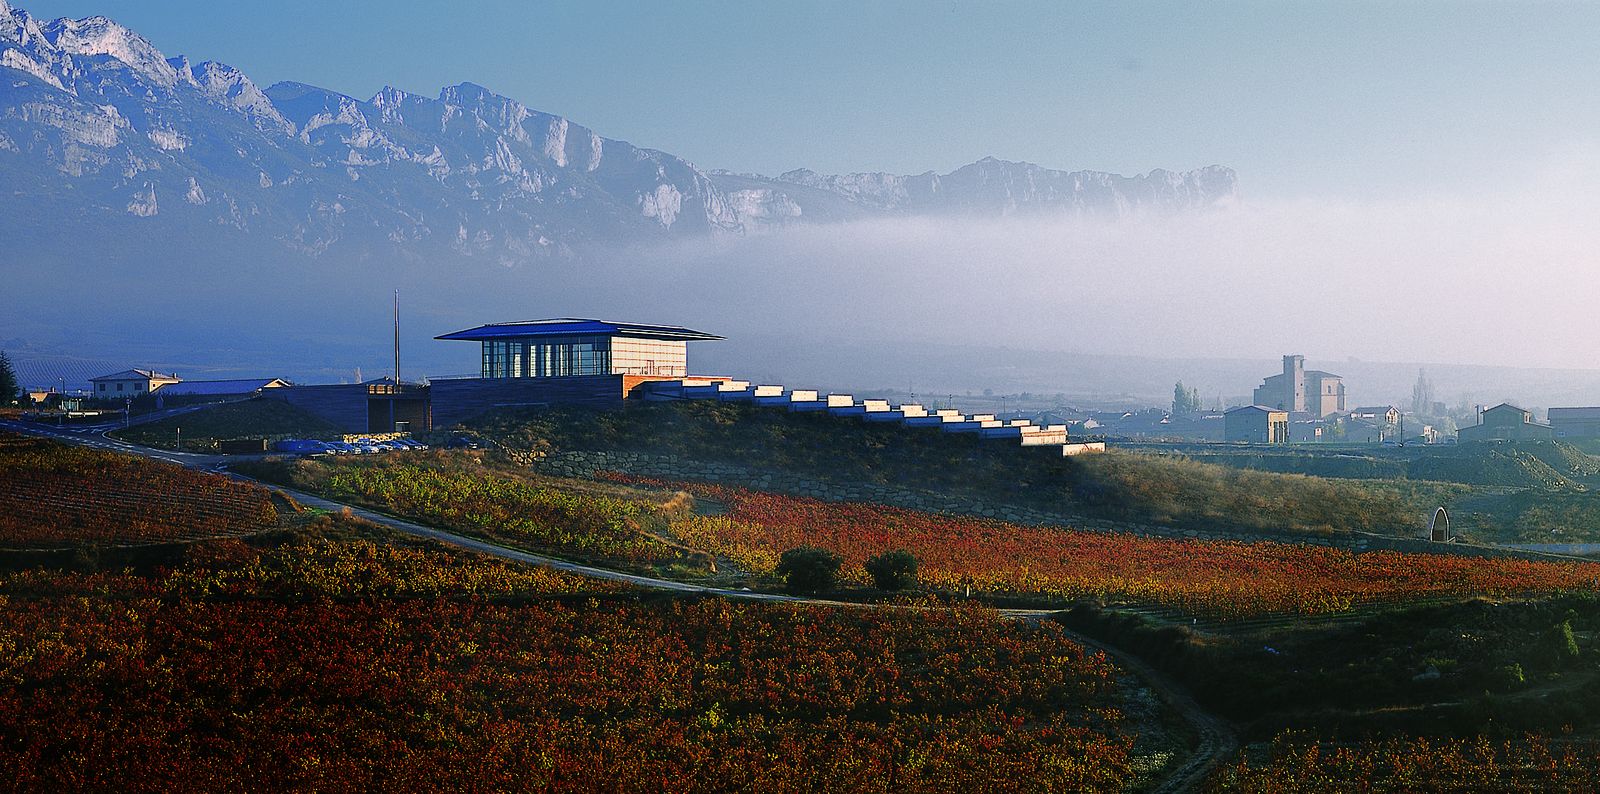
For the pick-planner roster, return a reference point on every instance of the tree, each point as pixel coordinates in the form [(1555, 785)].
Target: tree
[(808, 569), (893, 570), (8, 381), (1422, 395), (1185, 401), (1563, 644)]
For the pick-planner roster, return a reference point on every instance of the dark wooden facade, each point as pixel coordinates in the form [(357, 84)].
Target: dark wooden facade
[(345, 405), (365, 407), (457, 399), (361, 407)]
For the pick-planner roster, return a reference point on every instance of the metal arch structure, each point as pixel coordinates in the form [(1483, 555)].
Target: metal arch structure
[(1439, 527)]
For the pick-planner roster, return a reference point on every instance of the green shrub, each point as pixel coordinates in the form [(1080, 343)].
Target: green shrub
[(808, 569), (1562, 642), (893, 570), (1444, 666), (1510, 676)]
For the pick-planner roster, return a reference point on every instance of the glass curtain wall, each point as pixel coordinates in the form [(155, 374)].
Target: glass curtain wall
[(634, 356), (547, 357)]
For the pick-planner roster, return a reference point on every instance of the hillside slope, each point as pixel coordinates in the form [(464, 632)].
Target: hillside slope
[(1118, 485)]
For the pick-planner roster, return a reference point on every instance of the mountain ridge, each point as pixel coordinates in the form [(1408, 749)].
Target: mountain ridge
[(95, 115)]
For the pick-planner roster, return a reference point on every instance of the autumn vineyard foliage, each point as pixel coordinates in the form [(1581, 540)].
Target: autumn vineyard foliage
[(57, 496), (343, 664), (531, 515), (265, 651), (1213, 578)]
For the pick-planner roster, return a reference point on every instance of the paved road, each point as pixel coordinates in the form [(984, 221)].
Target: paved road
[(1216, 739), (95, 436)]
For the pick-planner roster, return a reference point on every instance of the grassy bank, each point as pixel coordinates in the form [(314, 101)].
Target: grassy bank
[(1118, 485), (202, 429), (1524, 464), (1478, 665)]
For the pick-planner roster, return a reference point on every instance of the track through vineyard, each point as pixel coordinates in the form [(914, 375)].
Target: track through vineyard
[(1215, 738)]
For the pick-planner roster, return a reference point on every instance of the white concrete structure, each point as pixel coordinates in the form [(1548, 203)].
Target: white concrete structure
[(935, 420), (749, 393), (909, 411), (797, 396), (1022, 432)]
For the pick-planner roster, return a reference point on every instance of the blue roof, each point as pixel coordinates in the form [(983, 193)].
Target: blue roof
[(575, 326), (216, 387)]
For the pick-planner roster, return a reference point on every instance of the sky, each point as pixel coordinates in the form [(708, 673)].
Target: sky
[(1418, 180), (1347, 100)]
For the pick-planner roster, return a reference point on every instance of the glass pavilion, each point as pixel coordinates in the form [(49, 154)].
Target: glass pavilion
[(567, 347)]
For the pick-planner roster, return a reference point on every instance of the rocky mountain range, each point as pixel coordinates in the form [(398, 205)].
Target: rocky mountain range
[(101, 129)]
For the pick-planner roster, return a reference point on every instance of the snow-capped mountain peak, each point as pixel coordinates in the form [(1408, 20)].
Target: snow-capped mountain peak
[(98, 123)]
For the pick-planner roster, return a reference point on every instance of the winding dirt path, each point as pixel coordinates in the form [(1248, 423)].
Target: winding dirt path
[(1216, 740)]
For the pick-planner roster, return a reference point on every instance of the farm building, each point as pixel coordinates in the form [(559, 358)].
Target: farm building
[(130, 383), (1380, 415), (238, 387), (134, 383), (1256, 424), (1505, 422), (1575, 422)]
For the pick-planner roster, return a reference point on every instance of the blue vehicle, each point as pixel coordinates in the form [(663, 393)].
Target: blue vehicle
[(301, 446)]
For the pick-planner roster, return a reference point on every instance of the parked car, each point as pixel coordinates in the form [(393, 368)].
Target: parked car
[(299, 446)]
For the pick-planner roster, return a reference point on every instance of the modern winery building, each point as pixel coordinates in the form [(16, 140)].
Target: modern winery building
[(567, 347), (561, 361)]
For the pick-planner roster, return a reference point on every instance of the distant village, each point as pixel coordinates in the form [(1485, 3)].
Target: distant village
[(1294, 406), (1298, 406)]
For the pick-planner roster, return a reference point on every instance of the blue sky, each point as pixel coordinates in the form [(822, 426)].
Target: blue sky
[(1305, 99)]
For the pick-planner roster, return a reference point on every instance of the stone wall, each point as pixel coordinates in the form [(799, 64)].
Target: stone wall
[(587, 463)]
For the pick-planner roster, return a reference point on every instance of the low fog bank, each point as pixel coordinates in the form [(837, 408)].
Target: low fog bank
[(1446, 280), (1081, 307)]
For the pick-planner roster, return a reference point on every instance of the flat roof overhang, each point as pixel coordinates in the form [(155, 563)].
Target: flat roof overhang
[(570, 326)]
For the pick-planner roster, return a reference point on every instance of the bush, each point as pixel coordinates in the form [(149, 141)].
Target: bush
[(893, 570), (1509, 677), (1562, 642), (808, 569)]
